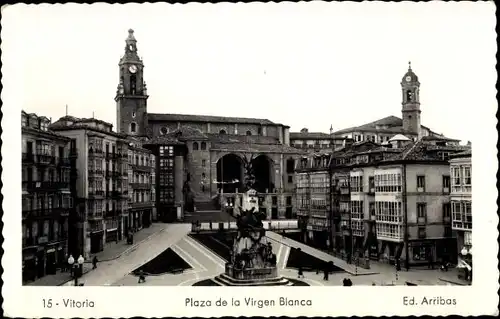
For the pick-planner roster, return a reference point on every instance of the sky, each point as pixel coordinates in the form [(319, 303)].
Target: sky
[(311, 65)]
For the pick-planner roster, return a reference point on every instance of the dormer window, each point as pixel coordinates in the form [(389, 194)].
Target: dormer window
[(249, 133), (24, 120), (222, 132)]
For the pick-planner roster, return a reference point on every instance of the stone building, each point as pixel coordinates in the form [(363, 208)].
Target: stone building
[(201, 157), (315, 141), (409, 125), (141, 191), (46, 197), (461, 202), (102, 181)]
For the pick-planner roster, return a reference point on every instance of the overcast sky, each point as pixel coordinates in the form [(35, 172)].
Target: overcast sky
[(305, 65)]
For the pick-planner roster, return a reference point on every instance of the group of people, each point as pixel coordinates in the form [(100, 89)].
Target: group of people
[(326, 271)]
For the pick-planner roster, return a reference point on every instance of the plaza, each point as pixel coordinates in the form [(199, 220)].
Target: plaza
[(205, 264)]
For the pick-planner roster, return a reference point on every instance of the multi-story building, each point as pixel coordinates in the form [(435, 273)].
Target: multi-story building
[(102, 182), (315, 141), (313, 198), (461, 202), (141, 193), (46, 197)]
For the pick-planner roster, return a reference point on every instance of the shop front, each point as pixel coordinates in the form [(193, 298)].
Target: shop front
[(29, 264), (422, 253), (96, 241)]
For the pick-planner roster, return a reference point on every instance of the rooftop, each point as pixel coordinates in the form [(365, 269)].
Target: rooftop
[(207, 119)]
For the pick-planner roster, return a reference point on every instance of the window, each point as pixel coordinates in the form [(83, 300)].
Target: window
[(249, 133), (466, 176), (166, 151), (195, 146), (24, 120), (222, 132), (446, 184), (388, 212), (290, 179), (133, 114), (259, 130), (456, 175), (421, 210), (357, 209), (203, 163), (421, 232), (420, 183), (203, 146), (290, 165), (356, 184), (133, 127), (446, 210), (387, 183)]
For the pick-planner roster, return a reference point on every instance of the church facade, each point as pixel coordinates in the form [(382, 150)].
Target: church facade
[(203, 159)]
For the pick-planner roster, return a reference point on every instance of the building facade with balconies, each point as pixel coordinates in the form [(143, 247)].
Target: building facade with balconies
[(47, 202), (141, 200), (461, 202), (102, 182)]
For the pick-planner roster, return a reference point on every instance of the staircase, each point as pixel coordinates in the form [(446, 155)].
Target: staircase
[(225, 280)]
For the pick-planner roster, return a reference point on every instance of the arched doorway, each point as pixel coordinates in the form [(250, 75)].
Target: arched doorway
[(262, 167), (229, 173)]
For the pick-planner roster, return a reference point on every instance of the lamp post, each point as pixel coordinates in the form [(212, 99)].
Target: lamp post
[(77, 267)]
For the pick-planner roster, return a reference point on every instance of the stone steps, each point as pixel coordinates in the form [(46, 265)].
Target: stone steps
[(224, 280)]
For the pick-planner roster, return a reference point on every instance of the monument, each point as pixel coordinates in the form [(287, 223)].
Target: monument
[(253, 262)]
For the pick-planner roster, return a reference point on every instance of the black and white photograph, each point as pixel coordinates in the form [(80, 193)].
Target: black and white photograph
[(249, 146)]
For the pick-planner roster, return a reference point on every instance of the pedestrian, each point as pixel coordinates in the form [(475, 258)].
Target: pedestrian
[(210, 224), (142, 277), (398, 265), (301, 273), (326, 273), (94, 262)]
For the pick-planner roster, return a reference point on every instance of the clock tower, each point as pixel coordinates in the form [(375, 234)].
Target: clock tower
[(411, 102), (131, 95)]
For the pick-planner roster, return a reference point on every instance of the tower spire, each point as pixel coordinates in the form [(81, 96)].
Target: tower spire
[(409, 65)]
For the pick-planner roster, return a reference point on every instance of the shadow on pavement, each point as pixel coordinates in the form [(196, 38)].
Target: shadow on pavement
[(166, 262)]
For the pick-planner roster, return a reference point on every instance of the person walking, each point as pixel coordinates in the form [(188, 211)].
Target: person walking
[(94, 262), (301, 273), (326, 273), (142, 277)]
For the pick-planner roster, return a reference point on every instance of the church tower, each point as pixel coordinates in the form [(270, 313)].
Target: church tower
[(411, 102), (131, 95)]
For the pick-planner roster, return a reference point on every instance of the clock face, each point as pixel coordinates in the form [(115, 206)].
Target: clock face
[(132, 69), (408, 78)]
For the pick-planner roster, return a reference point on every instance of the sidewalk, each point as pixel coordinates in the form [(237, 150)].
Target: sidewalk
[(111, 251)]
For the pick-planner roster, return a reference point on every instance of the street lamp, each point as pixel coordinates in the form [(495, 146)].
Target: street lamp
[(464, 251), (76, 266)]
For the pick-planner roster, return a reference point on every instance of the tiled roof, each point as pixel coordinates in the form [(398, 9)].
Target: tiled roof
[(48, 133), (394, 125), (164, 140), (187, 133), (438, 138), (311, 136), (467, 153), (206, 118), (260, 148), (424, 151)]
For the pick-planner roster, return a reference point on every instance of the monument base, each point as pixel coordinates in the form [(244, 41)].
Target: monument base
[(265, 276)]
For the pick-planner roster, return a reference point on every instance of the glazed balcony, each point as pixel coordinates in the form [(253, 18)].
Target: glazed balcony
[(63, 162), (44, 159), (47, 186), (141, 168), (140, 186), (97, 194), (94, 215)]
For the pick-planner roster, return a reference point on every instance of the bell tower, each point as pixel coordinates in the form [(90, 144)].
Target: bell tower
[(411, 102), (131, 95)]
